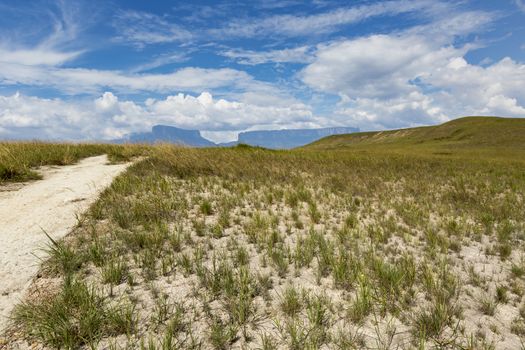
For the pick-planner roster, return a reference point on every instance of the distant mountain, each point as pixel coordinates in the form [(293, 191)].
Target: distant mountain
[(289, 138), (171, 134), (228, 144), (276, 139)]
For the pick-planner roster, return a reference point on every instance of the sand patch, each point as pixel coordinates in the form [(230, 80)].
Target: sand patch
[(51, 205)]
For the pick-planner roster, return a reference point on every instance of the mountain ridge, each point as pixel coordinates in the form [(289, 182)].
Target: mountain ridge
[(289, 138), (172, 134), (274, 139)]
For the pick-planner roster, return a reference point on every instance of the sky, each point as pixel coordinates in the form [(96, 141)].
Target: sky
[(100, 70)]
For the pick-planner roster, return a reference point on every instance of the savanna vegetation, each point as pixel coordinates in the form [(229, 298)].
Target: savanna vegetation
[(346, 247), (18, 160), (470, 137)]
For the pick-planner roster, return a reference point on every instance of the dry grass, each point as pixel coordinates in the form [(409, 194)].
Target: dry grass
[(249, 248), (18, 159)]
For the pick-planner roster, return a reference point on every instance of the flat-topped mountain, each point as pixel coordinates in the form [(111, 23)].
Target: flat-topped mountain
[(276, 139), (289, 138), (171, 134)]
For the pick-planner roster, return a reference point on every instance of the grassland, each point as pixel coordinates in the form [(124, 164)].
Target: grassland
[(469, 137), (18, 160), (247, 248)]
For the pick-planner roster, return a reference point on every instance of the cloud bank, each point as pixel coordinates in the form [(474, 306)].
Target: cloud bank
[(274, 68), (107, 117)]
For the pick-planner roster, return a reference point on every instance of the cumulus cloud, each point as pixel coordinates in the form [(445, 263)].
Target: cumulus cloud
[(415, 77), (500, 105), (414, 109), (221, 114), (383, 65), (374, 66), (31, 117), (408, 77), (108, 117)]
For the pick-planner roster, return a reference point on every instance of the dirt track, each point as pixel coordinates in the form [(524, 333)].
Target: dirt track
[(49, 205)]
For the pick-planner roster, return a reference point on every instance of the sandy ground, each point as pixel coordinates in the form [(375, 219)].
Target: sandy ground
[(51, 204)]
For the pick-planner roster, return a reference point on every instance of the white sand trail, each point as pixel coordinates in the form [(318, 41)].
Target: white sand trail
[(50, 204)]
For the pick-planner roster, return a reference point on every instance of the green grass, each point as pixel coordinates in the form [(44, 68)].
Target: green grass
[(309, 248), (75, 316), (470, 136), (291, 302), (18, 159)]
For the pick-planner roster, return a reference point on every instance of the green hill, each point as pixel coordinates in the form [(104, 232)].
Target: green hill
[(494, 136)]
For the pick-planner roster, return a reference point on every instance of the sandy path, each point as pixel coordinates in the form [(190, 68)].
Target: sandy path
[(50, 204)]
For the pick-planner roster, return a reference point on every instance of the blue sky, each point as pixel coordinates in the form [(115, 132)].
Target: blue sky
[(94, 70)]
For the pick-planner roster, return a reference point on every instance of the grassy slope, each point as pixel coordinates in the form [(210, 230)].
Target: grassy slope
[(491, 136)]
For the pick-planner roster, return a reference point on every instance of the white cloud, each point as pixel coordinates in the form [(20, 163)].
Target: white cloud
[(291, 25), (52, 48), (415, 77), (500, 104), (82, 80), (35, 57), (496, 89), (414, 109), (67, 21), (486, 61), (276, 4), (302, 54), (384, 65), (450, 24), (375, 66), (141, 28), (43, 36), (521, 5), (207, 113), (32, 117), (163, 60), (108, 117), (406, 78), (107, 102)]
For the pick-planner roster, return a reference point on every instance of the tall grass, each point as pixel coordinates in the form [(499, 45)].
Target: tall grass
[(305, 248), (18, 159)]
